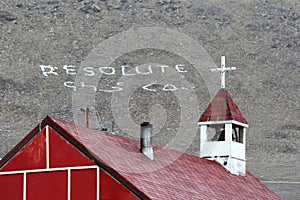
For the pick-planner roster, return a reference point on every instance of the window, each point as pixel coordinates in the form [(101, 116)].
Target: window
[(216, 132), (237, 133)]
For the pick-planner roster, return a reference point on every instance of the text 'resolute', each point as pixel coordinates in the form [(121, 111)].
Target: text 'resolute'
[(48, 70)]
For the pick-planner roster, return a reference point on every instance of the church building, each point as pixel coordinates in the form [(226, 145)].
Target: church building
[(62, 161)]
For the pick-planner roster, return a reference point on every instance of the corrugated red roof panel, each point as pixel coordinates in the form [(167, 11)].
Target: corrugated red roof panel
[(222, 108)]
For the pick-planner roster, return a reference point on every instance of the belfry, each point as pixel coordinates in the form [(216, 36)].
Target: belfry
[(223, 130)]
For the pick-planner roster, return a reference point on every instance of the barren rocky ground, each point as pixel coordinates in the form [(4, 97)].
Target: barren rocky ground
[(260, 38)]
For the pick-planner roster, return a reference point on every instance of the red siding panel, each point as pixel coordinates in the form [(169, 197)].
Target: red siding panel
[(32, 156), (63, 154), (111, 189), (83, 184), (47, 186), (11, 187)]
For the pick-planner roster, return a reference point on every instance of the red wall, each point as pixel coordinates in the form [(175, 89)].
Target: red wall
[(63, 154), (83, 184), (11, 186), (32, 156), (110, 189), (49, 183)]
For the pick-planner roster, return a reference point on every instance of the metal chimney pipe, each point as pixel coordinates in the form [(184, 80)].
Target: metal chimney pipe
[(146, 140)]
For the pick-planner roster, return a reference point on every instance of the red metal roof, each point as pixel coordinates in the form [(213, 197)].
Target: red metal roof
[(222, 108), (172, 174)]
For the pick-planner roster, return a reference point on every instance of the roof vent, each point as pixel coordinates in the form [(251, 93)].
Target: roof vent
[(146, 139)]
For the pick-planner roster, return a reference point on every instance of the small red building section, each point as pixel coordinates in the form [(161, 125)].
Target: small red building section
[(109, 188), (83, 184), (47, 185), (63, 154), (11, 186), (31, 156), (46, 166)]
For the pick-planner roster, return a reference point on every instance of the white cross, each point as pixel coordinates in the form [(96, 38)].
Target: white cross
[(223, 69)]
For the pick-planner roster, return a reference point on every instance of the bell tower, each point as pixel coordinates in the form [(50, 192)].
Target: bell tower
[(223, 130)]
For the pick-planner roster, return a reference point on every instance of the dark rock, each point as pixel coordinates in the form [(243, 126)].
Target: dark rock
[(294, 16), (96, 8), (87, 9), (7, 16), (90, 8), (21, 5), (52, 2)]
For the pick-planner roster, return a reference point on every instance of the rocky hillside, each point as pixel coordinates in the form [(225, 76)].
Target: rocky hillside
[(59, 57)]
